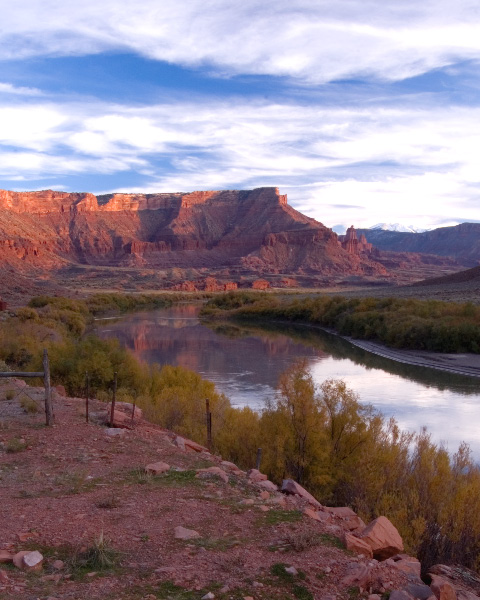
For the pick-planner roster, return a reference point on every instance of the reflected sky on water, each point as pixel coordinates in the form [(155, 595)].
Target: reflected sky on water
[(246, 361)]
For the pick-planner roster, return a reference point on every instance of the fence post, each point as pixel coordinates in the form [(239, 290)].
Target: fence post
[(259, 459), (114, 397), (133, 409), (209, 425), (49, 418), (87, 393)]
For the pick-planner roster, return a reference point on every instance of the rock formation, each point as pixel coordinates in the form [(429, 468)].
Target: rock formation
[(351, 244), (252, 231)]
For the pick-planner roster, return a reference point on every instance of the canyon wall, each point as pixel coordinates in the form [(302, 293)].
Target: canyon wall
[(245, 231)]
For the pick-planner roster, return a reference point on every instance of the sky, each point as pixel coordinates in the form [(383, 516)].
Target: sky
[(362, 111)]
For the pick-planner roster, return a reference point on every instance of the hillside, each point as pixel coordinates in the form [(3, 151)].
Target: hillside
[(468, 277), (78, 493), (461, 242)]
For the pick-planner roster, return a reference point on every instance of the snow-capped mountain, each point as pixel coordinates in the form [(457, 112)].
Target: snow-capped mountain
[(397, 227)]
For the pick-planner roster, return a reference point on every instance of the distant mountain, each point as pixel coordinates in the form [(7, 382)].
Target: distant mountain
[(461, 242), (397, 227)]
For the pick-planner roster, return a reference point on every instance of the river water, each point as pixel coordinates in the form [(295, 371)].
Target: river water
[(245, 362)]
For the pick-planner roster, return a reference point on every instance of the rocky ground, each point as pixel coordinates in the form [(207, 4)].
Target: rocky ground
[(137, 513)]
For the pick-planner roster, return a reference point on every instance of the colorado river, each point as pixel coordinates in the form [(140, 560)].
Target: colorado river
[(245, 362)]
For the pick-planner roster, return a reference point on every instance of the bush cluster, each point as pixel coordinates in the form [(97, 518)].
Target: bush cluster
[(400, 323)]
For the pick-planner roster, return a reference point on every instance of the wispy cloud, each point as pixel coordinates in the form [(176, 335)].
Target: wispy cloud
[(8, 88), (311, 41), (304, 150)]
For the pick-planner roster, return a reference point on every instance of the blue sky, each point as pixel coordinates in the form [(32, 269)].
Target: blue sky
[(361, 111)]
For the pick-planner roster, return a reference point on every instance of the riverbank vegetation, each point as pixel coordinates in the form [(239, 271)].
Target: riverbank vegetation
[(340, 449), (397, 322)]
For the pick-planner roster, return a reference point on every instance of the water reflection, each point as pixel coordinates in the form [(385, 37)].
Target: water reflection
[(245, 362)]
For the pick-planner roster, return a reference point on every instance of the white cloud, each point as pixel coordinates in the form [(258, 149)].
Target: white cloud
[(314, 41), (404, 165), (8, 88)]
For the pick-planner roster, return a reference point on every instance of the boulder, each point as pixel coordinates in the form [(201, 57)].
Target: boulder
[(309, 512), (442, 588), (179, 442), (408, 564), (28, 560), (358, 546), (33, 561), (212, 472), (157, 468), (357, 576), (383, 538), (112, 432), (194, 447), (400, 595), (464, 582), (120, 419), (268, 485), (127, 408), (6, 556), (420, 591), (18, 558), (349, 518), (289, 486), (181, 533), (229, 465), (255, 476)]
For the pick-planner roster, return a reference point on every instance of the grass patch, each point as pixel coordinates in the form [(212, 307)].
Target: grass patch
[(301, 592), (29, 405), (139, 476), (279, 570), (109, 502), (167, 590), (15, 445), (303, 540), (274, 517), (76, 482), (100, 556), (220, 544), (330, 540)]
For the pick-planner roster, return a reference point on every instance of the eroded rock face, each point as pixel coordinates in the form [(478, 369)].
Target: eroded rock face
[(253, 230)]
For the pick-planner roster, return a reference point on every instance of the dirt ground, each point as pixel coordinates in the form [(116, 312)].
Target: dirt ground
[(79, 494)]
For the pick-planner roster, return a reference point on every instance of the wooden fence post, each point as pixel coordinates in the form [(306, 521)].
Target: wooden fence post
[(49, 418), (114, 397), (209, 425), (87, 393)]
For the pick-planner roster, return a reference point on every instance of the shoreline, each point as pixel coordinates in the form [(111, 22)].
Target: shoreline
[(460, 364)]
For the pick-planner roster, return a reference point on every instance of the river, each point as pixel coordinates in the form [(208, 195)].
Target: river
[(245, 362)]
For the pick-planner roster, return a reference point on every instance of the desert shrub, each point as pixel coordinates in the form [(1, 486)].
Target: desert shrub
[(401, 323), (25, 313), (239, 437), (176, 399), (29, 405)]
